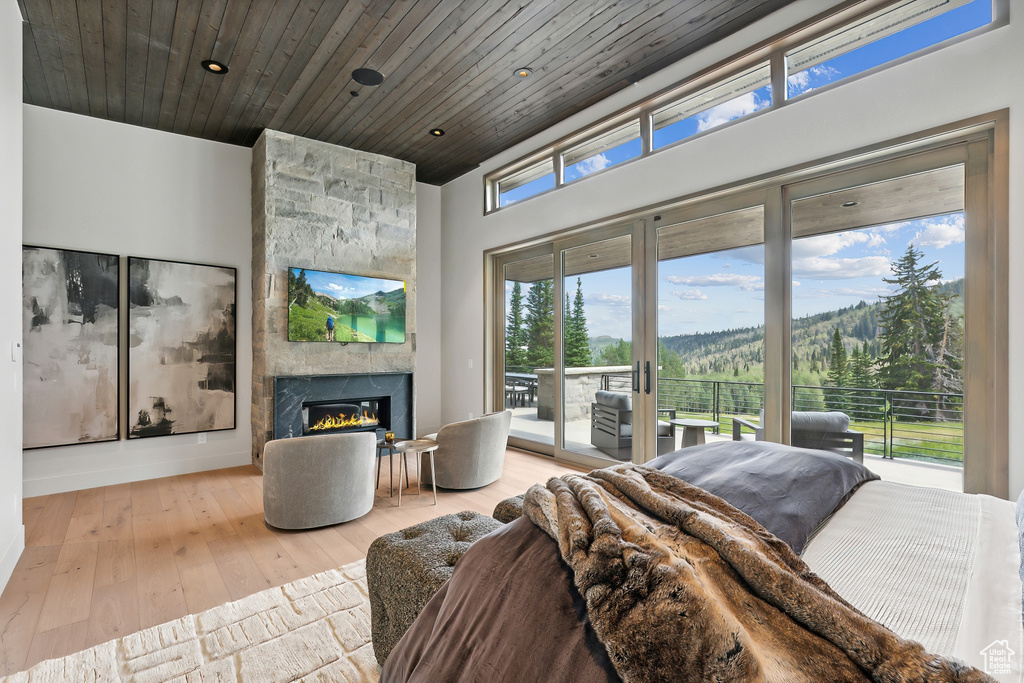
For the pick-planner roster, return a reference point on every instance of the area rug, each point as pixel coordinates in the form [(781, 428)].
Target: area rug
[(314, 629)]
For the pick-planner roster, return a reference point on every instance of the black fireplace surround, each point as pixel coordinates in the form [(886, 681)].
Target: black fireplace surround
[(315, 397)]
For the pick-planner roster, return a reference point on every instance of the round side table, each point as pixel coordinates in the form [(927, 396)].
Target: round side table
[(416, 446)]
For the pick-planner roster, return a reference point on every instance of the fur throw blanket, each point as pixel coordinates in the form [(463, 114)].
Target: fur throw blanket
[(681, 586)]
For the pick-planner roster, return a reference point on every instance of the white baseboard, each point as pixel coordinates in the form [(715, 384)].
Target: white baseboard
[(11, 555), (42, 486)]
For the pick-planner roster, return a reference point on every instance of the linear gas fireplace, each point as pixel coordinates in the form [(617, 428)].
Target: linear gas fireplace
[(325, 404), (350, 415)]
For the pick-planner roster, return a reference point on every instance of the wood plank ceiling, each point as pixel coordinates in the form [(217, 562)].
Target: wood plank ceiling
[(447, 64)]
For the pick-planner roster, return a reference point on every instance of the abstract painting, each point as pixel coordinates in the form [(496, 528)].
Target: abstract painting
[(70, 316), (181, 348)]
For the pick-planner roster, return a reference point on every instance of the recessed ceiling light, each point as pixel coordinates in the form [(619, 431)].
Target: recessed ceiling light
[(367, 77), (524, 72), (436, 132), (214, 67), (847, 205)]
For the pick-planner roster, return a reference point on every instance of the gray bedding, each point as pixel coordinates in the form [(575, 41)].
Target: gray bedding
[(789, 491), (511, 612)]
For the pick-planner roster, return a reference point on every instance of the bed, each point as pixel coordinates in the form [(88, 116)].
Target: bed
[(933, 566)]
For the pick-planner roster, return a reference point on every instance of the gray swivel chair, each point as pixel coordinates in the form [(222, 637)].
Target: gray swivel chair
[(313, 481), (470, 454)]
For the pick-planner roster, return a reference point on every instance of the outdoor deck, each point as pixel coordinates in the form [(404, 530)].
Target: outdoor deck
[(901, 470)]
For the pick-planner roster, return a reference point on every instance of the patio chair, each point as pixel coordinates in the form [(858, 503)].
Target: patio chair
[(611, 425), (824, 431)]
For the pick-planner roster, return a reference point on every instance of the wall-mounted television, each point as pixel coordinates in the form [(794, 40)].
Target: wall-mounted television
[(336, 307)]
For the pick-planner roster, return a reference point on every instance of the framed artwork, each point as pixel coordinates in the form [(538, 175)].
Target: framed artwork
[(181, 347), (70, 318)]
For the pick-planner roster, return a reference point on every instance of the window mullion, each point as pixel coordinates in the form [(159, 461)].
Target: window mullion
[(778, 71)]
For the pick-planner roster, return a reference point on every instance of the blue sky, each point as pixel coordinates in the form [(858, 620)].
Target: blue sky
[(935, 30), (725, 290), (347, 286)]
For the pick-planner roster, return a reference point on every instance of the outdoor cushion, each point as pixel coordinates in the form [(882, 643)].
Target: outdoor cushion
[(614, 399), (816, 421)]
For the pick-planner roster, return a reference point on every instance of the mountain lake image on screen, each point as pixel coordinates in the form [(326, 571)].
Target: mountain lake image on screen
[(335, 307)]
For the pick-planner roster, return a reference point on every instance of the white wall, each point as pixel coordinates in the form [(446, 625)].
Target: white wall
[(12, 531), (974, 77), (427, 381), (97, 185)]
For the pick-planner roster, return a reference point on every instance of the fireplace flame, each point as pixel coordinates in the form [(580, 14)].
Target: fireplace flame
[(345, 422)]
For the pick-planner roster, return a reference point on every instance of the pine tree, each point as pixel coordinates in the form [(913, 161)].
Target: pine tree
[(540, 325), (577, 341), (915, 323), (860, 370), (837, 373), (515, 335)]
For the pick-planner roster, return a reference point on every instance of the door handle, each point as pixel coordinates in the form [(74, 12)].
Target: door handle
[(636, 378), (647, 377)]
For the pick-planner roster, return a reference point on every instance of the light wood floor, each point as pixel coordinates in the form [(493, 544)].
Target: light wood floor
[(105, 562)]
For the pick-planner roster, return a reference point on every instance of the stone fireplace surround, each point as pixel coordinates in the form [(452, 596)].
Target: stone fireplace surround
[(320, 206), (291, 392)]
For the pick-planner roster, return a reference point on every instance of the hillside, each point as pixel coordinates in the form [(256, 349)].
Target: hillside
[(599, 344), (310, 324), (739, 352)]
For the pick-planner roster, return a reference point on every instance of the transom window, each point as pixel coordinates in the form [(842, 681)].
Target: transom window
[(796, 65)]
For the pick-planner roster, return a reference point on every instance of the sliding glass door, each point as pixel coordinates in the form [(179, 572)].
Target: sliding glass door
[(875, 289), (710, 317), (526, 373), (878, 313), (599, 380)]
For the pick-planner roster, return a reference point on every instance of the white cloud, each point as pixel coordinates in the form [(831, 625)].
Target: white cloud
[(866, 293), (796, 283), (728, 111), (608, 299), (663, 308), (747, 283), (594, 163), (810, 256), (817, 268), (941, 232), (337, 289), (799, 82), (823, 71), (827, 245), (690, 295)]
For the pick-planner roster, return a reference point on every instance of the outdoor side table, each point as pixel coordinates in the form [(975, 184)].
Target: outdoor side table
[(416, 446), (693, 430)]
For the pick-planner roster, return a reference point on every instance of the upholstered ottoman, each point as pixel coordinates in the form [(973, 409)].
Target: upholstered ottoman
[(405, 569), (509, 510)]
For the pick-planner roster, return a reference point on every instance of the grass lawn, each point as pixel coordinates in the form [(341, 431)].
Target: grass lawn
[(310, 324)]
